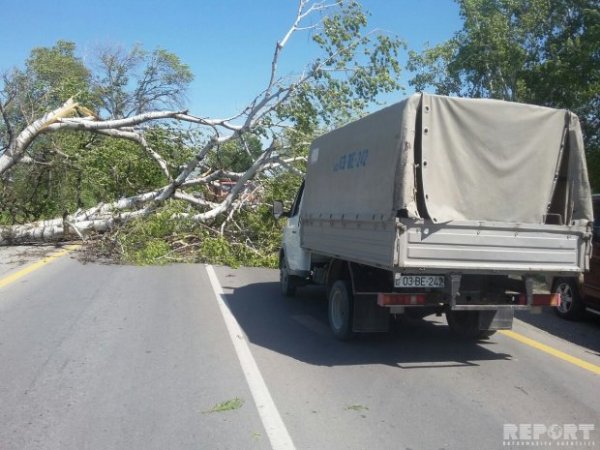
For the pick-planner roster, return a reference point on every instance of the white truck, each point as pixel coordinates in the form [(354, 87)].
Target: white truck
[(440, 205)]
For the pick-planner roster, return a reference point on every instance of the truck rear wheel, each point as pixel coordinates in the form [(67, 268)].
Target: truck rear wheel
[(466, 324), (288, 282), (341, 304), (570, 307)]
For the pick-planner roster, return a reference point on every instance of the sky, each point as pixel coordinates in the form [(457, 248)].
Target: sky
[(228, 44)]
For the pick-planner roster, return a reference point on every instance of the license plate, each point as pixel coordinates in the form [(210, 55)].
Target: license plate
[(419, 281)]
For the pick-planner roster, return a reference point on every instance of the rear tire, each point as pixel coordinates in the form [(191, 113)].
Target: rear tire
[(486, 334), (341, 306), (571, 306), (288, 283)]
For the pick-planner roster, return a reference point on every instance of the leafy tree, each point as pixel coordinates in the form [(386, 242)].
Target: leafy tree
[(51, 76), (567, 70), (47, 185), (68, 171), (136, 81)]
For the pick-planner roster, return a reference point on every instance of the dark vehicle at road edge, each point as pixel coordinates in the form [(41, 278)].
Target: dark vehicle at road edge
[(581, 294)]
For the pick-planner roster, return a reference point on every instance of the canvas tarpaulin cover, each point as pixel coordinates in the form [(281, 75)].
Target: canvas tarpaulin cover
[(499, 161), (465, 159), (353, 170)]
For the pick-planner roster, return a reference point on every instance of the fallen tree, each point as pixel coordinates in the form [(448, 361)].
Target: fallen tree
[(353, 69)]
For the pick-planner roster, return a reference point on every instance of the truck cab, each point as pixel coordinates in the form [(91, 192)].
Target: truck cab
[(294, 261)]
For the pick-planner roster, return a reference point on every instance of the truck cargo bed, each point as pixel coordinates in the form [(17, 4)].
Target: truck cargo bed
[(470, 247)]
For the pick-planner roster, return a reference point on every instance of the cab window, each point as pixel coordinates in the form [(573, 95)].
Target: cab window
[(296, 205)]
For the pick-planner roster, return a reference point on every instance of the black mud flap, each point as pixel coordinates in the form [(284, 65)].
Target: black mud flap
[(369, 317), (499, 319)]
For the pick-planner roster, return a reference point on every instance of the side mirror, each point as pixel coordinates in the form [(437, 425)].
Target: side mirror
[(278, 211)]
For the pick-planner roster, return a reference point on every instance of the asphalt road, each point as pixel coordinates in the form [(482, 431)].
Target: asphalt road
[(97, 356)]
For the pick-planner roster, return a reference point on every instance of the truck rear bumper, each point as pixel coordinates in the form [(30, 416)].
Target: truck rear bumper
[(415, 300)]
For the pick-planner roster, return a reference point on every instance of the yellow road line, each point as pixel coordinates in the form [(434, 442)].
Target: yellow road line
[(552, 351), (36, 265)]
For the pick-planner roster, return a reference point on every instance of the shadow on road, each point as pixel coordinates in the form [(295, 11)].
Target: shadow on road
[(298, 328), (585, 333)]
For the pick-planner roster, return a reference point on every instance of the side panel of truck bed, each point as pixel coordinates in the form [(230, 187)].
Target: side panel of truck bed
[(371, 243)]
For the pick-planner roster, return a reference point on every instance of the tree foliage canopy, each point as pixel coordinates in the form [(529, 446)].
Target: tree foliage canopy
[(136, 81)]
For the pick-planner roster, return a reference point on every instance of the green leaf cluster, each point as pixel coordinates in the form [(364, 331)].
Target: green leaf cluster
[(135, 81), (355, 68), (159, 239), (236, 155)]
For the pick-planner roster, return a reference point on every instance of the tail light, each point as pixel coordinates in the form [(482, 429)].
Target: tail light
[(400, 299), (541, 299)]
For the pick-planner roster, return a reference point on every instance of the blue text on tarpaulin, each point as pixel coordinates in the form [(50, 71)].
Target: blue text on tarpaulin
[(352, 160)]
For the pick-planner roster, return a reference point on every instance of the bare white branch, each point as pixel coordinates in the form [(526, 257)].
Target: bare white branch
[(194, 200)]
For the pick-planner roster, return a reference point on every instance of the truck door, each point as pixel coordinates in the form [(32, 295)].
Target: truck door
[(297, 258)]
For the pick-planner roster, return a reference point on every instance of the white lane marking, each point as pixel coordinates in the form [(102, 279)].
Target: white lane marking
[(274, 426)]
